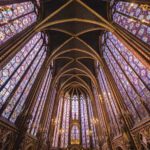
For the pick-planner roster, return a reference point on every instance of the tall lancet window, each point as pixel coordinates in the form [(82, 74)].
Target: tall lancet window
[(110, 102), (93, 123), (131, 76), (74, 124), (75, 108), (134, 18), (75, 129), (65, 121), (39, 105), (100, 120), (18, 76), (14, 18), (49, 114), (75, 135), (84, 122)]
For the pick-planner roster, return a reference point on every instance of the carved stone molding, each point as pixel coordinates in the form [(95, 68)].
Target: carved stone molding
[(142, 137), (7, 138), (119, 142), (29, 143)]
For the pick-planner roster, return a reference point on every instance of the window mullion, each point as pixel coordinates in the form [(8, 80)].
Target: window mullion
[(24, 88), (125, 89), (18, 66)]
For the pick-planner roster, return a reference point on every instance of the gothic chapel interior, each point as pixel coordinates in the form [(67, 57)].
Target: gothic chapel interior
[(74, 74)]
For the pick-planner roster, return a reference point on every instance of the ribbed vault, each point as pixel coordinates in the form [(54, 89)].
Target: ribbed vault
[(72, 28)]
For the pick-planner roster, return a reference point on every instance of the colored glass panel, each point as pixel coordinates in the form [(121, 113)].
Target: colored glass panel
[(75, 135), (75, 107), (40, 102), (84, 122), (110, 102), (93, 122), (65, 122), (18, 76), (17, 101), (12, 73), (131, 77), (134, 18), (70, 126), (14, 18)]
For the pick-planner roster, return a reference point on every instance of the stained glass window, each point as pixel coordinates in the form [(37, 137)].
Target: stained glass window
[(49, 114), (93, 123), (40, 102), (74, 122), (134, 18), (100, 119), (75, 135), (65, 122), (18, 76), (75, 107), (84, 122), (14, 18), (110, 102), (131, 76)]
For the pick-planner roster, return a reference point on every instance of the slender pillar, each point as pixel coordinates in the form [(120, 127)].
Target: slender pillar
[(70, 120), (54, 115), (46, 120), (142, 102), (24, 118), (105, 116), (31, 99), (80, 119), (45, 114), (53, 122), (117, 97), (61, 121), (95, 114), (89, 121)]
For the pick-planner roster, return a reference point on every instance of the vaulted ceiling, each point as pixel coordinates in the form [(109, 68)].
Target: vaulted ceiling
[(74, 28)]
